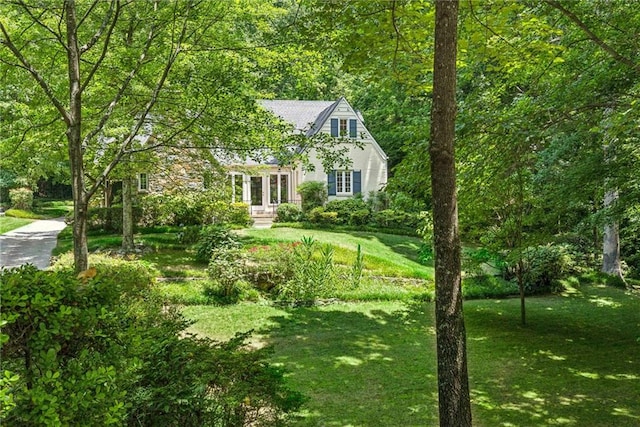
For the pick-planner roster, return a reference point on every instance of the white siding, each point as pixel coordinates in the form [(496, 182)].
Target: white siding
[(371, 160)]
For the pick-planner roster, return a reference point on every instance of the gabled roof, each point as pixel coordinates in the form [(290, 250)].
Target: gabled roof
[(306, 116)]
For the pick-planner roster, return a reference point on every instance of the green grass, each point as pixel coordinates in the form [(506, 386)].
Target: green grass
[(43, 210), (373, 363), (8, 223), (385, 254)]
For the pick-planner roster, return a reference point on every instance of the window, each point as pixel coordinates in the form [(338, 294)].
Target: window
[(343, 182), (278, 188), (143, 182), (343, 127)]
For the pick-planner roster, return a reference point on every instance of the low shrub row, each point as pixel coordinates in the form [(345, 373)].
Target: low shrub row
[(191, 208), (351, 212)]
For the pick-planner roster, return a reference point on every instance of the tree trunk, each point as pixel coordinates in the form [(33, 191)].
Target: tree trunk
[(127, 214), (453, 382), (611, 263), (74, 139)]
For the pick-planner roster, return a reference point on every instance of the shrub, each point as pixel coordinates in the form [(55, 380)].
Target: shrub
[(378, 201), (270, 266), (288, 212), (390, 218), (21, 198), (486, 286), (314, 273), (313, 193), (214, 237), (359, 217), (192, 207), (108, 219), (67, 341), (344, 208), (189, 234), (318, 215), (104, 352), (226, 267), (124, 276), (543, 266), (19, 213)]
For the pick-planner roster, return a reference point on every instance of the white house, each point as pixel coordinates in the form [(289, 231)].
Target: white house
[(264, 186)]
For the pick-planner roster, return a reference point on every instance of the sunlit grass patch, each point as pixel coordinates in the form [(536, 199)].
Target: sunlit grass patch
[(8, 223)]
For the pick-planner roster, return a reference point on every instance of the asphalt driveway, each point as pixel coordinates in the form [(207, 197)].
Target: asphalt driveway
[(31, 244)]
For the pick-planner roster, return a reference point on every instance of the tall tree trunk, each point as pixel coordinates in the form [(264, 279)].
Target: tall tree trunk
[(127, 214), (74, 139), (611, 263), (453, 382)]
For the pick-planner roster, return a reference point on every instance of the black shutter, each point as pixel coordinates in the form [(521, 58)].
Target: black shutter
[(353, 128), (334, 127), (331, 183), (357, 182)]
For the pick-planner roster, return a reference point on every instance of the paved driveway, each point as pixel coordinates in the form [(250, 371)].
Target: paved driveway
[(31, 244)]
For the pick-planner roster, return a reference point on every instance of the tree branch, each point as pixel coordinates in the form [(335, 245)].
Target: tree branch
[(597, 40), (103, 26), (122, 150), (105, 46), (36, 19), (35, 74), (123, 88)]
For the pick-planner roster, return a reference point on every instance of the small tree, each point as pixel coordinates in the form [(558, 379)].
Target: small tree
[(313, 193)]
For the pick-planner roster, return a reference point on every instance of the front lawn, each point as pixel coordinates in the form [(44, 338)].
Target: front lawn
[(373, 363), (8, 223)]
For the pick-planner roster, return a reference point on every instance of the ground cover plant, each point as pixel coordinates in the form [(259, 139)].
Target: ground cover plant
[(373, 363)]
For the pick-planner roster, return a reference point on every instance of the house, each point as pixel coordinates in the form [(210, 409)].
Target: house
[(264, 186)]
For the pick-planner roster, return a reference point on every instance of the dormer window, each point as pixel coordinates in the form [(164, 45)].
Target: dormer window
[(344, 127)]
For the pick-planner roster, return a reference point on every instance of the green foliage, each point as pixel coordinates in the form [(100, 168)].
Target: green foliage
[(349, 211), (314, 273), (318, 215), (288, 212), (192, 208), (104, 351), (378, 201), (356, 269), (313, 193), (131, 276), (189, 234), (226, 267), (486, 286), (214, 237), (19, 213), (21, 198), (543, 267), (66, 344), (270, 265), (109, 219), (390, 218)]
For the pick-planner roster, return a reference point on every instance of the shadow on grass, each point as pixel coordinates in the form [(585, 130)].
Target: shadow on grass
[(406, 246), (574, 363), (360, 366)]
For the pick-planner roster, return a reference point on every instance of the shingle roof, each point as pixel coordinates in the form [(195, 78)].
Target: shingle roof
[(307, 116)]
